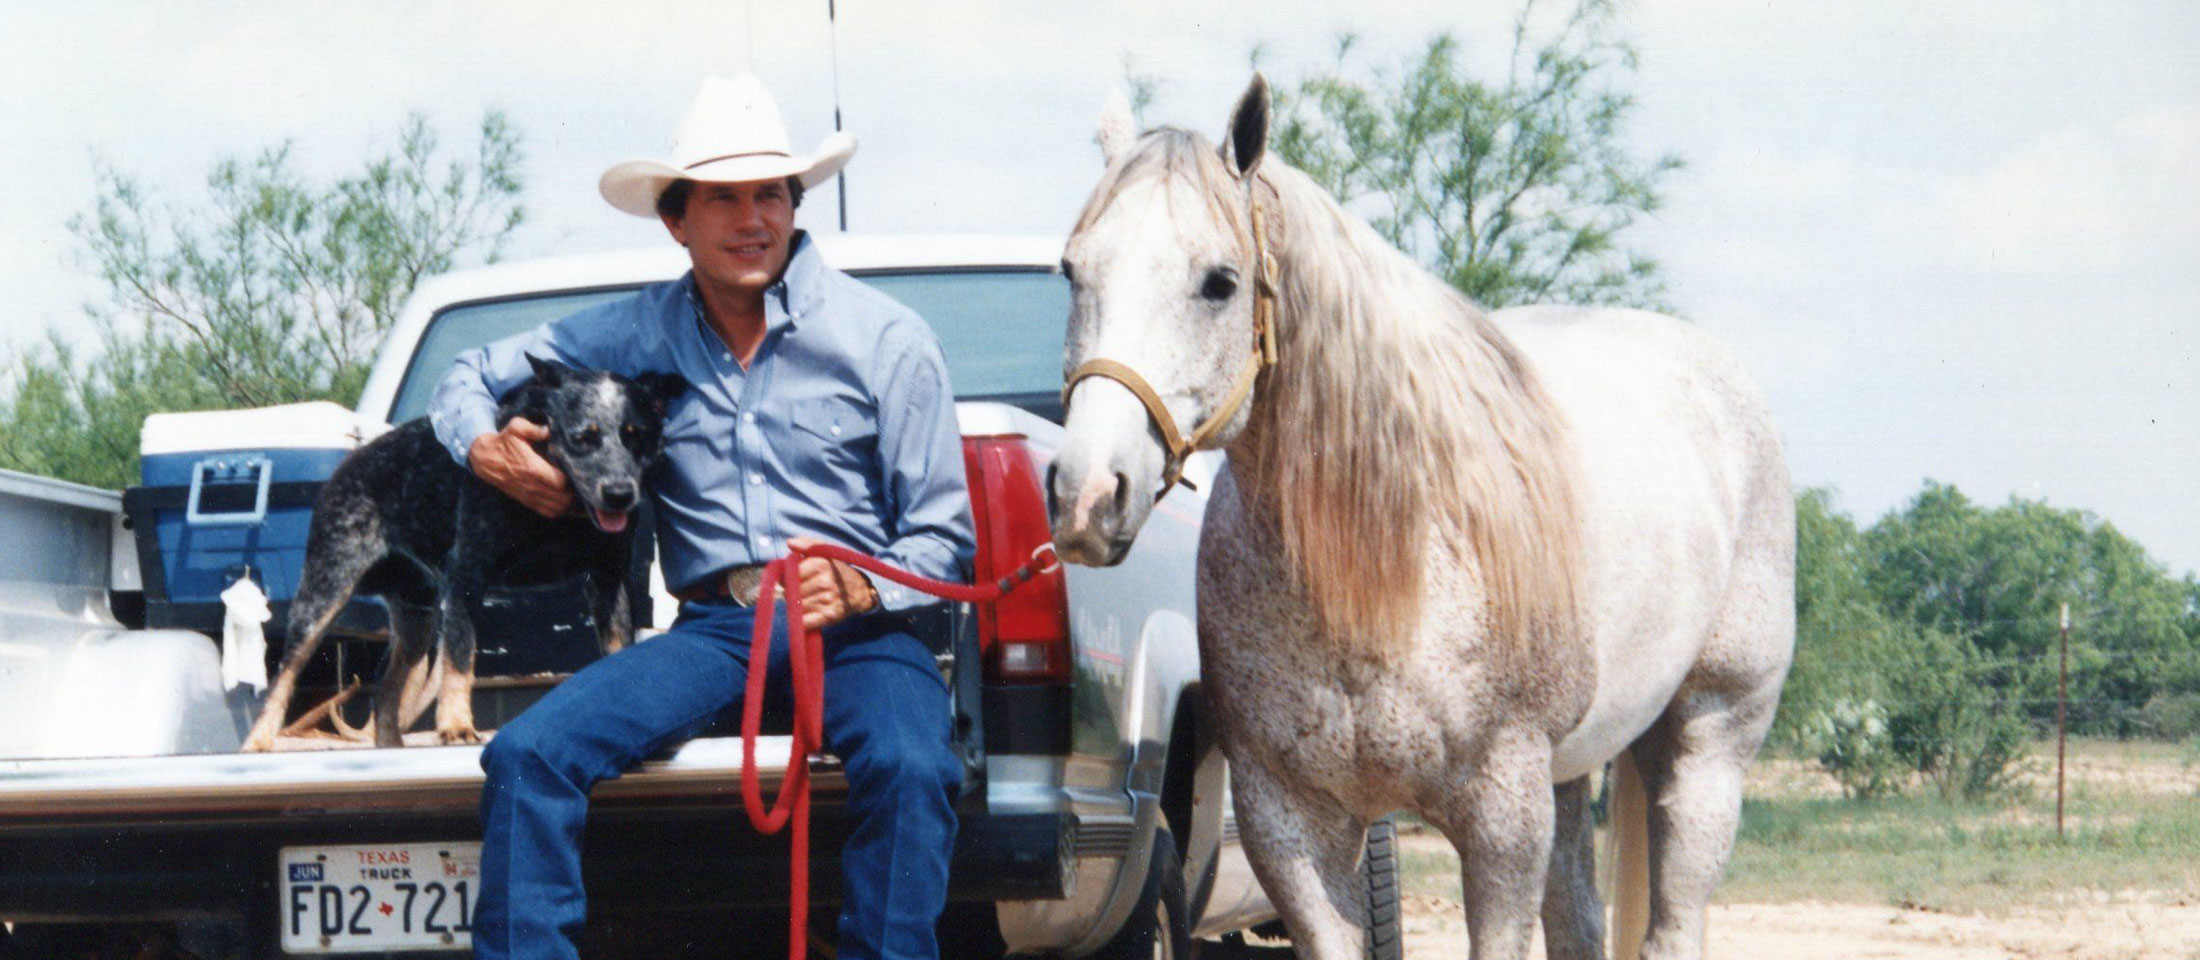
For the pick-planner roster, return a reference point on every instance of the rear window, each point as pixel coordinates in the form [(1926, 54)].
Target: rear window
[(1000, 329)]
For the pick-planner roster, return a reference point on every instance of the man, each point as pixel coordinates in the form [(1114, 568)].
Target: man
[(819, 412)]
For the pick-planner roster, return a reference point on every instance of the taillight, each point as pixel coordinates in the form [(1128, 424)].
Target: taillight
[(1025, 634)]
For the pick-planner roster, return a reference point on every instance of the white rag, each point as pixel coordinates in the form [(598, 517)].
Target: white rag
[(244, 640)]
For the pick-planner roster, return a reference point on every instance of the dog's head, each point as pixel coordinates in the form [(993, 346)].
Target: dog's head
[(605, 432)]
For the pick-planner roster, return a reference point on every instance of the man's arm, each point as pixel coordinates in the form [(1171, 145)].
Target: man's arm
[(920, 450), (463, 410), (507, 460)]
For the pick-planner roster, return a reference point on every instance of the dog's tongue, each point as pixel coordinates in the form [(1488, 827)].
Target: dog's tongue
[(610, 521)]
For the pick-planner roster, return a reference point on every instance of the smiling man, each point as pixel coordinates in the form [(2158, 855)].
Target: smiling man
[(819, 412)]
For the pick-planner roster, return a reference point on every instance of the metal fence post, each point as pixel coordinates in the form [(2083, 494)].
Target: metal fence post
[(2062, 704)]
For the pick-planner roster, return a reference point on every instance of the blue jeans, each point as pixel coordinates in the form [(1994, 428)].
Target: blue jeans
[(886, 717)]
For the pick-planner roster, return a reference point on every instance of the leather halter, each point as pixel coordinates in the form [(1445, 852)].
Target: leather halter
[(1264, 356)]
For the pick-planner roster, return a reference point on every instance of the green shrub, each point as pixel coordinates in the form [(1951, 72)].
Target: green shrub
[(1852, 743), (1952, 720), (2171, 716)]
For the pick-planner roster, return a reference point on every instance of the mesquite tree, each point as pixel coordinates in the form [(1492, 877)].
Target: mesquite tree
[(273, 290), (1516, 189)]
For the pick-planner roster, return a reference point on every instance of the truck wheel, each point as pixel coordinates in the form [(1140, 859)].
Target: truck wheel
[(1385, 916), (1157, 928), (971, 930)]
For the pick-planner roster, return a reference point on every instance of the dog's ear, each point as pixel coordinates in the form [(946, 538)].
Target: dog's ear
[(549, 373), (660, 389)]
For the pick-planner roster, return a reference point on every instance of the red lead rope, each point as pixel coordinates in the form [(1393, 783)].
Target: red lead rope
[(806, 658)]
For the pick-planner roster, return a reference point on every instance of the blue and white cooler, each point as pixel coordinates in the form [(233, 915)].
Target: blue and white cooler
[(229, 494)]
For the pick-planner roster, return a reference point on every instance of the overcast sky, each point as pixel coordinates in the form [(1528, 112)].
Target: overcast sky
[(1951, 239)]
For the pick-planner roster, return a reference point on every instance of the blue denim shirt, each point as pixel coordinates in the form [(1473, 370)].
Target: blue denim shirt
[(842, 429)]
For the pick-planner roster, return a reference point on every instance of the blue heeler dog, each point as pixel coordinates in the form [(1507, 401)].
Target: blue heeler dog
[(450, 536)]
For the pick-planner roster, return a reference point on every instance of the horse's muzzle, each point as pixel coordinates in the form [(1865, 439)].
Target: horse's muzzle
[(1092, 510)]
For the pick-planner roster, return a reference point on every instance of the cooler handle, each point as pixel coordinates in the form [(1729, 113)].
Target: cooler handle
[(228, 470)]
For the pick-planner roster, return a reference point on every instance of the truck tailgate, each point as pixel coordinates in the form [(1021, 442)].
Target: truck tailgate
[(303, 784)]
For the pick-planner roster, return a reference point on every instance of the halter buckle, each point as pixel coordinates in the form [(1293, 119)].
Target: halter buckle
[(1053, 563)]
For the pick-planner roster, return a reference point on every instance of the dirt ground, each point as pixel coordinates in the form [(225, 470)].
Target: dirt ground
[(2097, 926), (1839, 931)]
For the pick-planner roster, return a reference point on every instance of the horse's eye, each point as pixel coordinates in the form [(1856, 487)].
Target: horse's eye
[(1066, 274), (1220, 284)]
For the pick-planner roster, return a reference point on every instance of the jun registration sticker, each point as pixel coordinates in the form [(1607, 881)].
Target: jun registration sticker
[(376, 898)]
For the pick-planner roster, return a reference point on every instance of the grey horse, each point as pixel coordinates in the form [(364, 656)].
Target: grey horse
[(1458, 561)]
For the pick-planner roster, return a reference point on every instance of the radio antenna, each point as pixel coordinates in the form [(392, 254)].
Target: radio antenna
[(832, 33)]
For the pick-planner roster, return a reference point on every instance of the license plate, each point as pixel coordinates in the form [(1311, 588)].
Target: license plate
[(373, 898)]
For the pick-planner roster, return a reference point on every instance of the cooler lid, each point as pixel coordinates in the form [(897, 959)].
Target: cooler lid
[(294, 426)]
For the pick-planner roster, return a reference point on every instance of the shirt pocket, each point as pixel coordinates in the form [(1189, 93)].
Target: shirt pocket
[(835, 453), (836, 422)]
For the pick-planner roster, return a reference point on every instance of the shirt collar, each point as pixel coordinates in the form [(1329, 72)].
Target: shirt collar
[(803, 282)]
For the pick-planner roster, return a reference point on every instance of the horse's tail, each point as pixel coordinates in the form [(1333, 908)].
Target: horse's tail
[(1630, 820)]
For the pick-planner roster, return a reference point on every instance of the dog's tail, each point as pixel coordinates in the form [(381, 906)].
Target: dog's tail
[(311, 612)]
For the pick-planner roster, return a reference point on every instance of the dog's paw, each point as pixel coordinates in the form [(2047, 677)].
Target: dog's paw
[(457, 736), (259, 742)]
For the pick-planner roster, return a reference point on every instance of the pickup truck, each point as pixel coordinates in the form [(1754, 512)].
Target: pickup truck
[(1096, 817)]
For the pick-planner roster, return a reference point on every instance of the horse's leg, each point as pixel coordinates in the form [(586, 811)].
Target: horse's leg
[(1305, 849), (1573, 915), (1692, 761), (1501, 823)]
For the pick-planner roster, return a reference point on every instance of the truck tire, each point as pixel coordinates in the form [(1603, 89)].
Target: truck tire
[(1385, 910), (1157, 928), (1385, 906), (971, 930)]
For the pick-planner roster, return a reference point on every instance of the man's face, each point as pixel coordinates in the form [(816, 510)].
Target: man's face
[(738, 234)]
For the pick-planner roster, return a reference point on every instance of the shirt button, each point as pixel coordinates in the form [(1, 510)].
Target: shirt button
[(836, 429), (763, 543), (748, 416), (756, 479), (728, 357)]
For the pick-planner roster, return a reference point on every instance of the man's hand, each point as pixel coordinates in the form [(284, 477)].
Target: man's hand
[(832, 591), (507, 461)]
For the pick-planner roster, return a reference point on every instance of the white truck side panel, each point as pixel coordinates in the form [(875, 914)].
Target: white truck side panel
[(79, 685)]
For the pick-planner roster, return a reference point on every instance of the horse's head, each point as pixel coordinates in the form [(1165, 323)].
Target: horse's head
[(1170, 299)]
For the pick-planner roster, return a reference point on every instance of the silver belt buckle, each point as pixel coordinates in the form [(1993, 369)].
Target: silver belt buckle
[(742, 584)]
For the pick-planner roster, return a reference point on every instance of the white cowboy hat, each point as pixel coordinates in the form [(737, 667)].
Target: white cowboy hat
[(731, 134)]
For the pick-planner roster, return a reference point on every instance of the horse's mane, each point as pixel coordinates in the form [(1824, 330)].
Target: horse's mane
[(1396, 412)]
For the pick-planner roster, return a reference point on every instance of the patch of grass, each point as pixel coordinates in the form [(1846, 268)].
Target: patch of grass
[(1432, 872), (2134, 831), (1426, 861), (2134, 834)]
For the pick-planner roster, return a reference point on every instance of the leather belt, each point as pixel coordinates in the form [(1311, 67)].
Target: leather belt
[(738, 584)]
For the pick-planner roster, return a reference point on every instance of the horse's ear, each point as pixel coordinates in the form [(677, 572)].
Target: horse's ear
[(1248, 138), (1118, 131), (549, 373)]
